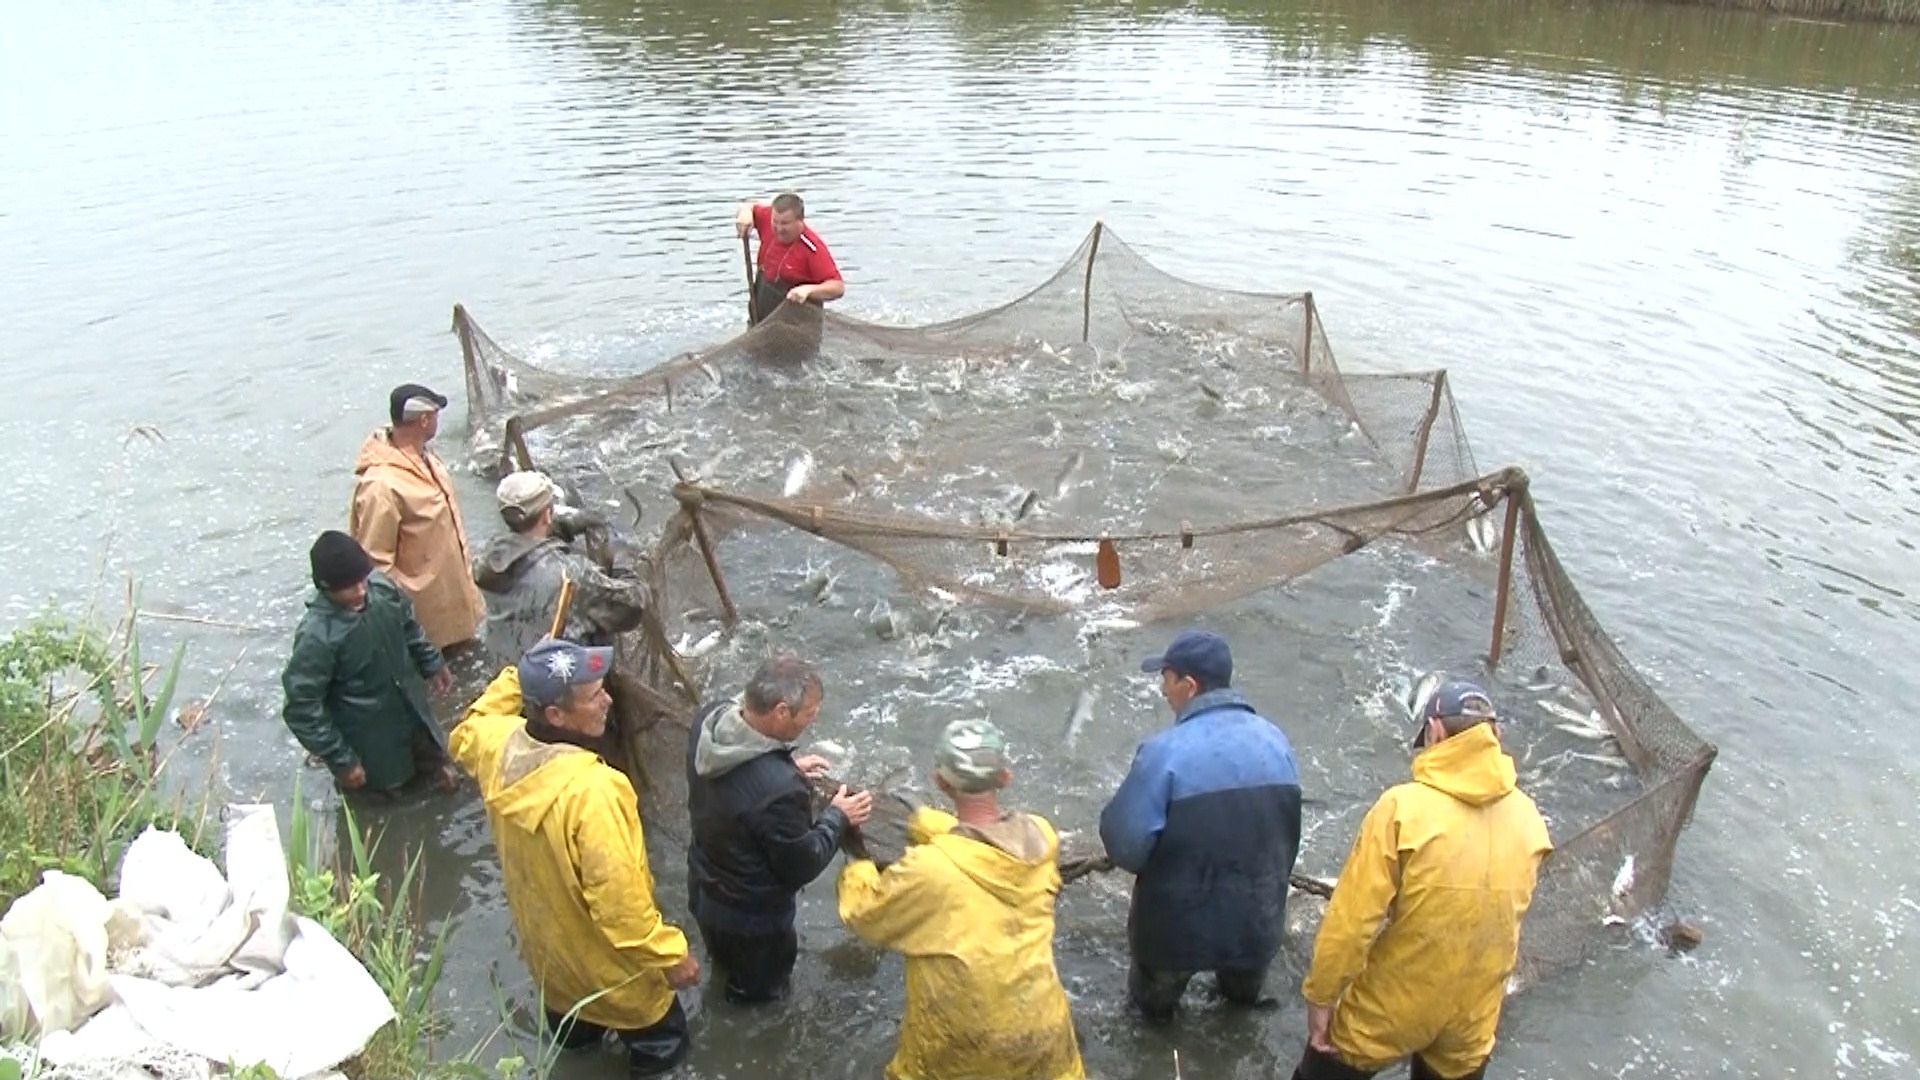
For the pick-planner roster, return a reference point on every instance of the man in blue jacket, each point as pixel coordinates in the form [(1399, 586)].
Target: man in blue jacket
[(1208, 821)]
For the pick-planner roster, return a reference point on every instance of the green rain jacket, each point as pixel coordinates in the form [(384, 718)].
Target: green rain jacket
[(356, 684)]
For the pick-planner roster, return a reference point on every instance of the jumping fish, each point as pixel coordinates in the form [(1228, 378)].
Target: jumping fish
[(852, 480), (703, 472), (1482, 534), (1589, 726), (694, 650), (1064, 479), (1078, 716), (1026, 505), (819, 581), (1420, 694), (638, 510), (884, 622), (797, 474)]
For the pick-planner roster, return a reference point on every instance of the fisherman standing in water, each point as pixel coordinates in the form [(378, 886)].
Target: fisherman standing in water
[(406, 517), (970, 906), (756, 841), (794, 263), (1208, 821), (1417, 944), (356, 681)]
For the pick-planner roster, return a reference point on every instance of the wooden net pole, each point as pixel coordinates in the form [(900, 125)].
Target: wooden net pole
[(1086, 289), (1507, 533), (705, 541), (1426, 431), (1306, 340)]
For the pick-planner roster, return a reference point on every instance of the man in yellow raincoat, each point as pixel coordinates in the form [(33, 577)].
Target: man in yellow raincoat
[(405, 515), (567, 829), (970, 905), (1447, 863)]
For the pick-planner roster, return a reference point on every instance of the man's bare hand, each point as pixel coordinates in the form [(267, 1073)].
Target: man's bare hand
[(685, 973), (743, 221), (442, 681), (799, 293), (812, 765), (858, 807), (1319, 1020), (354, 778)]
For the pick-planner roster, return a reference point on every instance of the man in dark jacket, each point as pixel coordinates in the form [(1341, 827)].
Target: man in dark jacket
[(1208, 819), (356, 680), (756, 842)]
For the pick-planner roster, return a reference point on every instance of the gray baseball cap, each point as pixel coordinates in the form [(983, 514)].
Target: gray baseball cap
[(553, 665)]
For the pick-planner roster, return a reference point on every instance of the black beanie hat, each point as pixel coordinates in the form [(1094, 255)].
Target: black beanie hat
[(339, 562)]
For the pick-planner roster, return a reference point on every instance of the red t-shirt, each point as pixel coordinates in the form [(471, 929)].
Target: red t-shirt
[(806, 261)]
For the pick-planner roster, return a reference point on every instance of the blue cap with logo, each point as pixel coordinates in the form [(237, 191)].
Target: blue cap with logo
[(1458, 705), (1202, 654), (553, 665)]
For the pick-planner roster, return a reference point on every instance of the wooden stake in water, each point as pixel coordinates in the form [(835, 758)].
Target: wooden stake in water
[(746, 256), (1106, 564)]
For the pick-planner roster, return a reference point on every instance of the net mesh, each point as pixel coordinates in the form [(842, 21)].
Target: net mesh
[(1117, 447)]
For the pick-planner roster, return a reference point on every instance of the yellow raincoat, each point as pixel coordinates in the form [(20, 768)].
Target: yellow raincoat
[(405, 515), (972, 911), (568, 834), (1451, 859)]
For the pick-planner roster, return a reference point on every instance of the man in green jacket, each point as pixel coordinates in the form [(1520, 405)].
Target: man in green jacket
[(356, 683)]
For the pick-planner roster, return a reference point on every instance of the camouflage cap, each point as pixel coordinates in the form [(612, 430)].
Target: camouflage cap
[(971, 755)]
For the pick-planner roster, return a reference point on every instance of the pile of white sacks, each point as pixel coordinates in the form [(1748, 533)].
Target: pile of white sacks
[(187, 970)]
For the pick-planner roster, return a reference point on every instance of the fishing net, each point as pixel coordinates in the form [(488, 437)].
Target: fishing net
[(993, 512)]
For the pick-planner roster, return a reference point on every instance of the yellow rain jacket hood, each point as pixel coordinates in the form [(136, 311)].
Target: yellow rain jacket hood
[(1448, 863), (568, 833), (405, 515), (972, 911)]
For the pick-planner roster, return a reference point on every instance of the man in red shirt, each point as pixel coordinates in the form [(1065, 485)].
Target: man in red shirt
[(794, 263)]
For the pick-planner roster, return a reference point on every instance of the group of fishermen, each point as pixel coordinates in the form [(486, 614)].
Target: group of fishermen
[(1412, 955)]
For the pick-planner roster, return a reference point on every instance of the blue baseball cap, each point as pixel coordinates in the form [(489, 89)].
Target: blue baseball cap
[(553, 665), (1202, 654), (1458, 705)]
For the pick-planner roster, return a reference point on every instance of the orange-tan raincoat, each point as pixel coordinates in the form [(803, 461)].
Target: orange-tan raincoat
[(405, 515)]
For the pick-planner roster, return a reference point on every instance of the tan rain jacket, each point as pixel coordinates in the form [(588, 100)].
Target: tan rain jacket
[(405, 515)]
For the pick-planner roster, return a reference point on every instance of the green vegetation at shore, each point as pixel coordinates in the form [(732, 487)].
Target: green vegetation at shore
[(1901, 11), (81, 775), (80, 715)]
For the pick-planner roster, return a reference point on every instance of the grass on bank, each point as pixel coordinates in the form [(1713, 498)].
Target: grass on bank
[(380, 926), (80, 715)]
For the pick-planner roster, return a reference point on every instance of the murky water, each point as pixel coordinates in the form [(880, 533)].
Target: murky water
[(1668, 255)]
